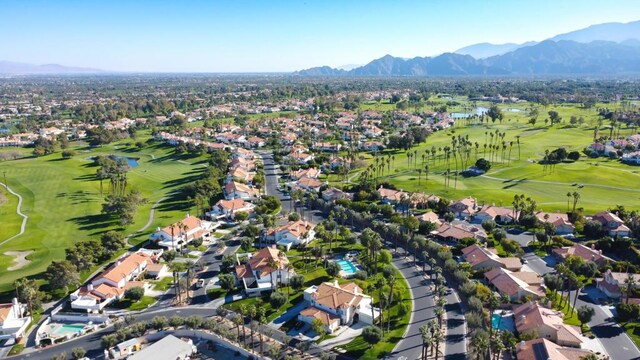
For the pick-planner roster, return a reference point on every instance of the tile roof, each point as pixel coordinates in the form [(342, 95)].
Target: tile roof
[(336, 296), (5, 310), (260, 260), (325, 317), (531, 316), (125, 267), (543, 349), (191, 222), (511, 283)]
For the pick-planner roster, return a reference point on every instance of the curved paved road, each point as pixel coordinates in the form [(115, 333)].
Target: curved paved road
[(410, 347), (18, 211)]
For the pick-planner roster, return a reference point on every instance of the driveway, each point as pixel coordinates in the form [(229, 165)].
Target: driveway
[(288, 315), (612, 337)]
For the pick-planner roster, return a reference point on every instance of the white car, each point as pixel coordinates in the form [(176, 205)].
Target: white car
[(200, 283)]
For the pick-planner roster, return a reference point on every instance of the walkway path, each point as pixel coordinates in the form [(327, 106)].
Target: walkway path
[(19, 212), (151, 218)]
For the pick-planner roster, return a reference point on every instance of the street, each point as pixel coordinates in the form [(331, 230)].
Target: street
[(612, 337)]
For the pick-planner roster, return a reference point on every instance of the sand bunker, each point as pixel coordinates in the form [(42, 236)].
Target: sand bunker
[(20, 259)]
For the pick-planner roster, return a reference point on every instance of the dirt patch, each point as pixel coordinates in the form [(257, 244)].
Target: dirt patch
[(20, 259), (3, 199)]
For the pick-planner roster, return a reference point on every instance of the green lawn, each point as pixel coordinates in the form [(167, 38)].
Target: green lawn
[(633, 329), (566, 310), (63, 202), (144, 303), (520, 173), (163, 284)]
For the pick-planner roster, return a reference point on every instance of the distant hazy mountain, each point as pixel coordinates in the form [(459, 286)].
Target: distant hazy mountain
[(348, 67), (569, 57), (485, 50), (9, 67), (546, 58), (616, 32)]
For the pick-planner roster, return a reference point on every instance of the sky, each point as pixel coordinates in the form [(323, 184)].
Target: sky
[(277, 35)]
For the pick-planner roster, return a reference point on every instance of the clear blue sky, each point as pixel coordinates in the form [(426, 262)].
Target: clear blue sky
[(273, 35)]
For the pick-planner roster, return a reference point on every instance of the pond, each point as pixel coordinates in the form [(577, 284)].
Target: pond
[(479, 111), (132, 162)]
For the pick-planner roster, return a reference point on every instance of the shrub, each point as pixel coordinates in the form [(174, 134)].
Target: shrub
[(360, 275), (277, 299), (135, 293), (372, 334)]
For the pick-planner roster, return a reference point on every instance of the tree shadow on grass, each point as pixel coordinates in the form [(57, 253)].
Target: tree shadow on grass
[(87, 177), (181, 181), (93, 222), (173, 204)]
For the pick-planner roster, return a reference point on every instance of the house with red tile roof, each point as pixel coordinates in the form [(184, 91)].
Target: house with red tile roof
[(337, 304), (431, 217), (543, 349), (559, 220), (390, 196), (238, 190), (533, 318), (111, 284), (456, 232), (483, 258), (293, 233), (515, 285), (179, 234), (263, 270), (229, 208), (499, 214), (586, 253), (464, 208), (310, 173), (612, 283), (612, 224), (333, 194), (13, 323)]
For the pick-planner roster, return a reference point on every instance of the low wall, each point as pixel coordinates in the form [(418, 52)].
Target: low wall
[(76, 317)]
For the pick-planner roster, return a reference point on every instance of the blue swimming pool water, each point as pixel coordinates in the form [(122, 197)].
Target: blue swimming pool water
[(505, 324), (68, 328), (347, 266)]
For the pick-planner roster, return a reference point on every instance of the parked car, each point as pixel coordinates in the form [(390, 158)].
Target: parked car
[(200, 283)]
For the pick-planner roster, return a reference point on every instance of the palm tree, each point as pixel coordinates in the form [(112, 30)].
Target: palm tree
[(629, 283), (438, 337), (427, 340), (568, 198), (251, 311), (242, 310), (273, 265), (392, 282), (262, 319), (480, 344), (576, 197), (237, 320), (577, 284)]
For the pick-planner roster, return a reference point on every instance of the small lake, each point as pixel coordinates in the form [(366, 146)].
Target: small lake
[(132, 162), (479, 111)]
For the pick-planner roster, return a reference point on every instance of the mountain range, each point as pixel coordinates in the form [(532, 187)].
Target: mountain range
[(605, 49), (9, 67)]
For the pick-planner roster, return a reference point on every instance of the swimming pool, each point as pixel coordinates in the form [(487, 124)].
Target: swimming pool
[(348, 267), (506, 323), (68, 329)]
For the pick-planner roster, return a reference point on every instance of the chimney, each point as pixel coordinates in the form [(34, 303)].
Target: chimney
[(187, 216), (90, 287), (335, 283), (118, 263), (521, 345)]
